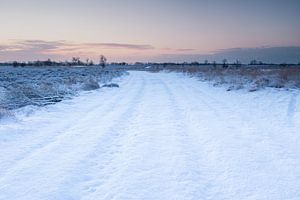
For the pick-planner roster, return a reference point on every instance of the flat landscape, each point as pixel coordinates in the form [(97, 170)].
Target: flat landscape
[(158, 136), (150, 100)]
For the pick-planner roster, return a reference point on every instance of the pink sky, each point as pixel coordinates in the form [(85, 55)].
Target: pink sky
[(140, 30)]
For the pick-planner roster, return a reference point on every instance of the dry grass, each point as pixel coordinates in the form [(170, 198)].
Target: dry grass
[(249, 77)]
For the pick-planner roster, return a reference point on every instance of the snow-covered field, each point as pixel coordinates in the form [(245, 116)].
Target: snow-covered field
[(158, 136), (38, 86)]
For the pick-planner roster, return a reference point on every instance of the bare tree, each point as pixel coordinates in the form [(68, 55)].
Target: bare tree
[(253, 62), (103, 61), (76, 61), (238, 63), (225, 65), (215, 64)]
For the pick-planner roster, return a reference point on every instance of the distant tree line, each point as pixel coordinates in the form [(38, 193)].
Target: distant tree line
[(75, 61), (225, 63)]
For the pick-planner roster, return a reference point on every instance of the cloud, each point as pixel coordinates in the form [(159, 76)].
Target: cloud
[(288, 54), (31, 45), (41, 45), (24, 50), (2, 47), (177, 50), (51, 45), (183, 50), (119, 45), (40, 49)]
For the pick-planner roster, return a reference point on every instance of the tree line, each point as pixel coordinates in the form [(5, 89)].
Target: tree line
[(75, 61)]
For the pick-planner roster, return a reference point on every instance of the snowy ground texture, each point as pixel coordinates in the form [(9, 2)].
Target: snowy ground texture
[(39, 86), (158, 136)]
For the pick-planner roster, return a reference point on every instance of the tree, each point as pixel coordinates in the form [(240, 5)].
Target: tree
[(225, 65), (15, 64), (238, 63), (103, 61), (91, 63), (48, 62), (215, 64), (76, 61), (253, 62)]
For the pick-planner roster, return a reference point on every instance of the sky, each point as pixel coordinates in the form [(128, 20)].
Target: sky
[(144, 30)]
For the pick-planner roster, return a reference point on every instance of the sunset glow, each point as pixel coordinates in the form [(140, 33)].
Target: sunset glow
[(140, 30)]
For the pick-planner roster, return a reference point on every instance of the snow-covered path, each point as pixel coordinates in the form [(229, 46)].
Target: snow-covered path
[(158, 136)]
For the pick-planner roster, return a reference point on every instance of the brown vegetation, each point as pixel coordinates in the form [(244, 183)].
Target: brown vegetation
[(249, 77)]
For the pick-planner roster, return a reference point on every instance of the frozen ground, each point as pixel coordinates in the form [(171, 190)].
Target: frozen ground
[(39, 86), (158, 136)]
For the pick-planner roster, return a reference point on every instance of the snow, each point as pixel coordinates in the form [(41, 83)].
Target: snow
[(158, 136), (39, 86)]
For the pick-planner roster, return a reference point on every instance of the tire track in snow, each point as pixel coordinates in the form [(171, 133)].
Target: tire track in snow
[(110, 174), (161, 139), (65, 160), (200, 185), (111, 98), (134, 140), (180, 155), (206, 181), (98, 164)]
